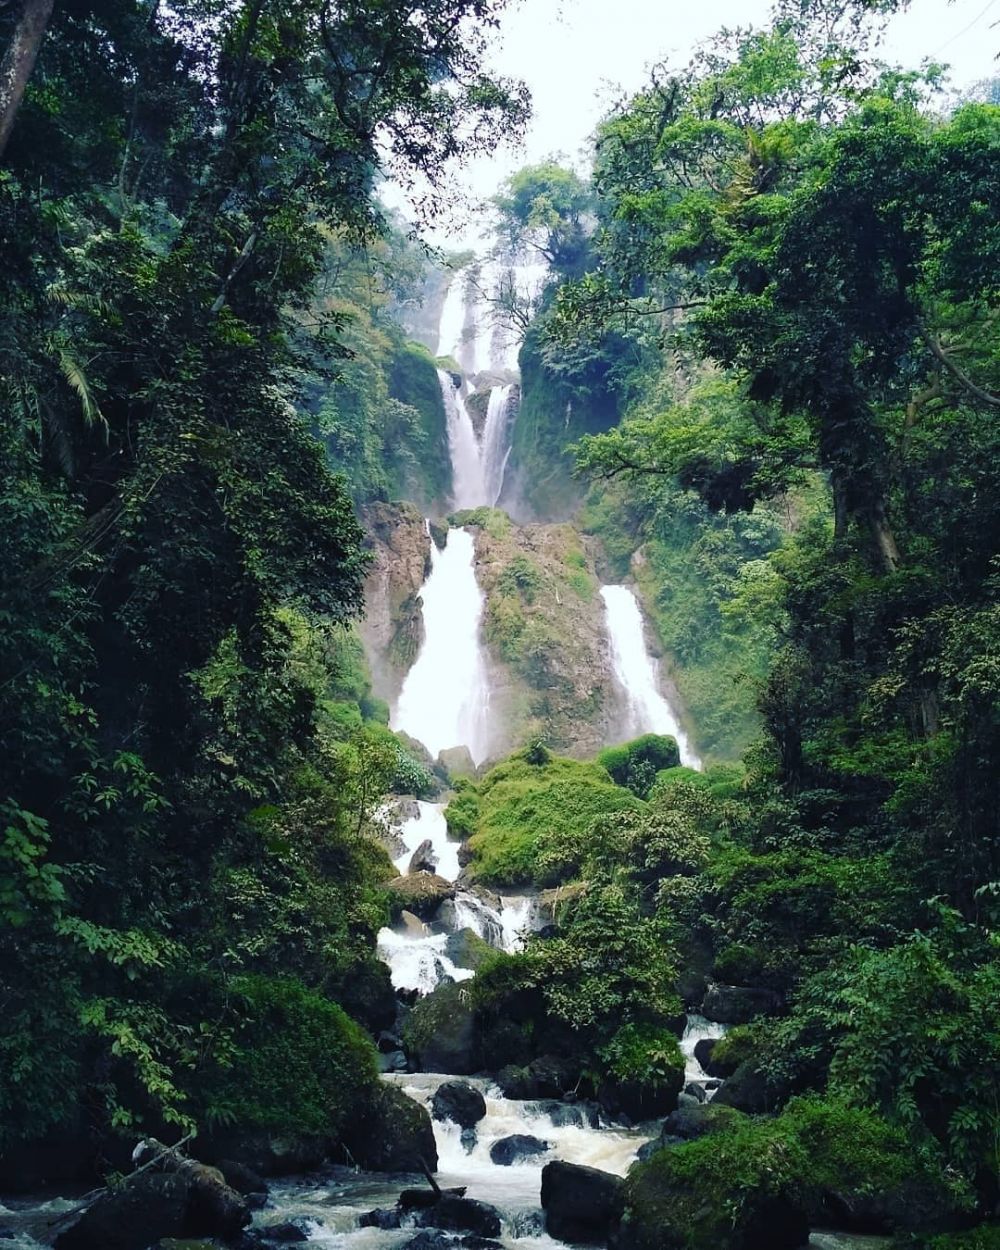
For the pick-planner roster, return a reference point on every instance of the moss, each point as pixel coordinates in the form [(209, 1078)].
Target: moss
[(413, 380), (636, 764), (532, 821), (708, 1192), (295, 1062), (495, 522)]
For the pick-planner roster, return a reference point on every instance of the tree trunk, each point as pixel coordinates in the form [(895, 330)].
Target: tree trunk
[(19, 60), (886, 551)]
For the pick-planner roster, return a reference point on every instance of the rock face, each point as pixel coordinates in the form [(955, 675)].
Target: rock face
[(457, 762), (739, 1004), (581, 1204), (458, 1101), (420, 892), (396, 1135), (748, 1090), (549, 658), (392, 630)]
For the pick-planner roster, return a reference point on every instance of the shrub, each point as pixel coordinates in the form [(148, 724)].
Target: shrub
[(635, 764), (295, 1063)]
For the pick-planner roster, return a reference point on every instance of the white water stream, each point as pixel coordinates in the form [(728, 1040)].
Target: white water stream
[(444, 701), (636, 671)]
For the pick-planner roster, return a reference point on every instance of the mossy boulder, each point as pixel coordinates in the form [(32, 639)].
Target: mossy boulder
[(467, 949), (581, 1204), (739, 1004), (394, 1135), (421, 893), (441, 1032)]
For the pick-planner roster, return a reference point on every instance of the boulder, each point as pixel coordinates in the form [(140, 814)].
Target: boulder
[(133, 1216), (580, 1114), (242, 1178), (689, 1123), (581, 1204), (516, 1148), (739, 1004), (421, 893), (467, 949), (704, 1050), (267, 1154), (214, 1208), (458, 1101), (286, 1232), (461, 1215), (694, 1090), (458, 762), (545, 1077), (749, 1090), (637, 1100), (394, 1136), (441, 1034), (424, 858), (382, 1217), (434, 1239)]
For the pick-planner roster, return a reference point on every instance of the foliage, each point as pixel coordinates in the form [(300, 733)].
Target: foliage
[(532, 822), (635, 764)]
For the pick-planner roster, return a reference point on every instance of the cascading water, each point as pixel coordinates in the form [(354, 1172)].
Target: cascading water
[(469, 489), (444, 701), (496, 442), (636, 671)]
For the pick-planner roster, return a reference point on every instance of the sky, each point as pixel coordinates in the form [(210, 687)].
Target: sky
[(577, 56)]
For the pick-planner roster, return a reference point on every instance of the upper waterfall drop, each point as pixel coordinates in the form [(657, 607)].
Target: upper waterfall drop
[(445, 697), (636, 671), (468, 482), (495, 445)]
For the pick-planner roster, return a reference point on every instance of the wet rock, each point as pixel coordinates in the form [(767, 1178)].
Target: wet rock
[(256, 1201), (748, 1090), (242, 1178), (458, 1101), (567, 1114), (581, 1204), (685, 1099), (637, 1100), (421, 893), (689, 1123), (381, 1217), (704, 1051), (434, 1239), (287, 1232), (517, 1147), (468, 1140), (467, 949), (544, 1077), (132, 1217), (739, 1004), (388, 1042), (406, 807), (461, 1215), (424, 858), (441, 1034), (394, 1061), (695, 1090), (421, 1199), (395, 1135)]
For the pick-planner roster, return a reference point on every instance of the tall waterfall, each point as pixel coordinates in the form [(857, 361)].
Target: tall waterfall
[(467, 470), (495, 450), (444, 700), (636, 672)]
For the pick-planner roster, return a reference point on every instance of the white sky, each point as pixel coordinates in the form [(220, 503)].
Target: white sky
[(579, 55)]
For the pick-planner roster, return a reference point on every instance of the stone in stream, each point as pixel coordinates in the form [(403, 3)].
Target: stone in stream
[(545, 1077), (461, 1215), (581, 1204), (519, 1146), (421, 893), (749, 1090), (287, 1232), (579, 1114), (395, 1136), (382, 1217), (458, 1101), (424, 858), (242, 1178), (704, 1050), (434, 1239), (695, 1090), (133, 1217)]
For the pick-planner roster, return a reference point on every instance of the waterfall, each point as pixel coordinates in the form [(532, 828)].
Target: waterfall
[(636, 672), (444, 700), (468, 481), (495, 444)]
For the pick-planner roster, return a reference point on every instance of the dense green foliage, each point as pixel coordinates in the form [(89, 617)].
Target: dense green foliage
[(530, 822), (191, 752)]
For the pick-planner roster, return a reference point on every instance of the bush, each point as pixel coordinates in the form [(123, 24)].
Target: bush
[(635, 764), (533, 821), (295, 1062)]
